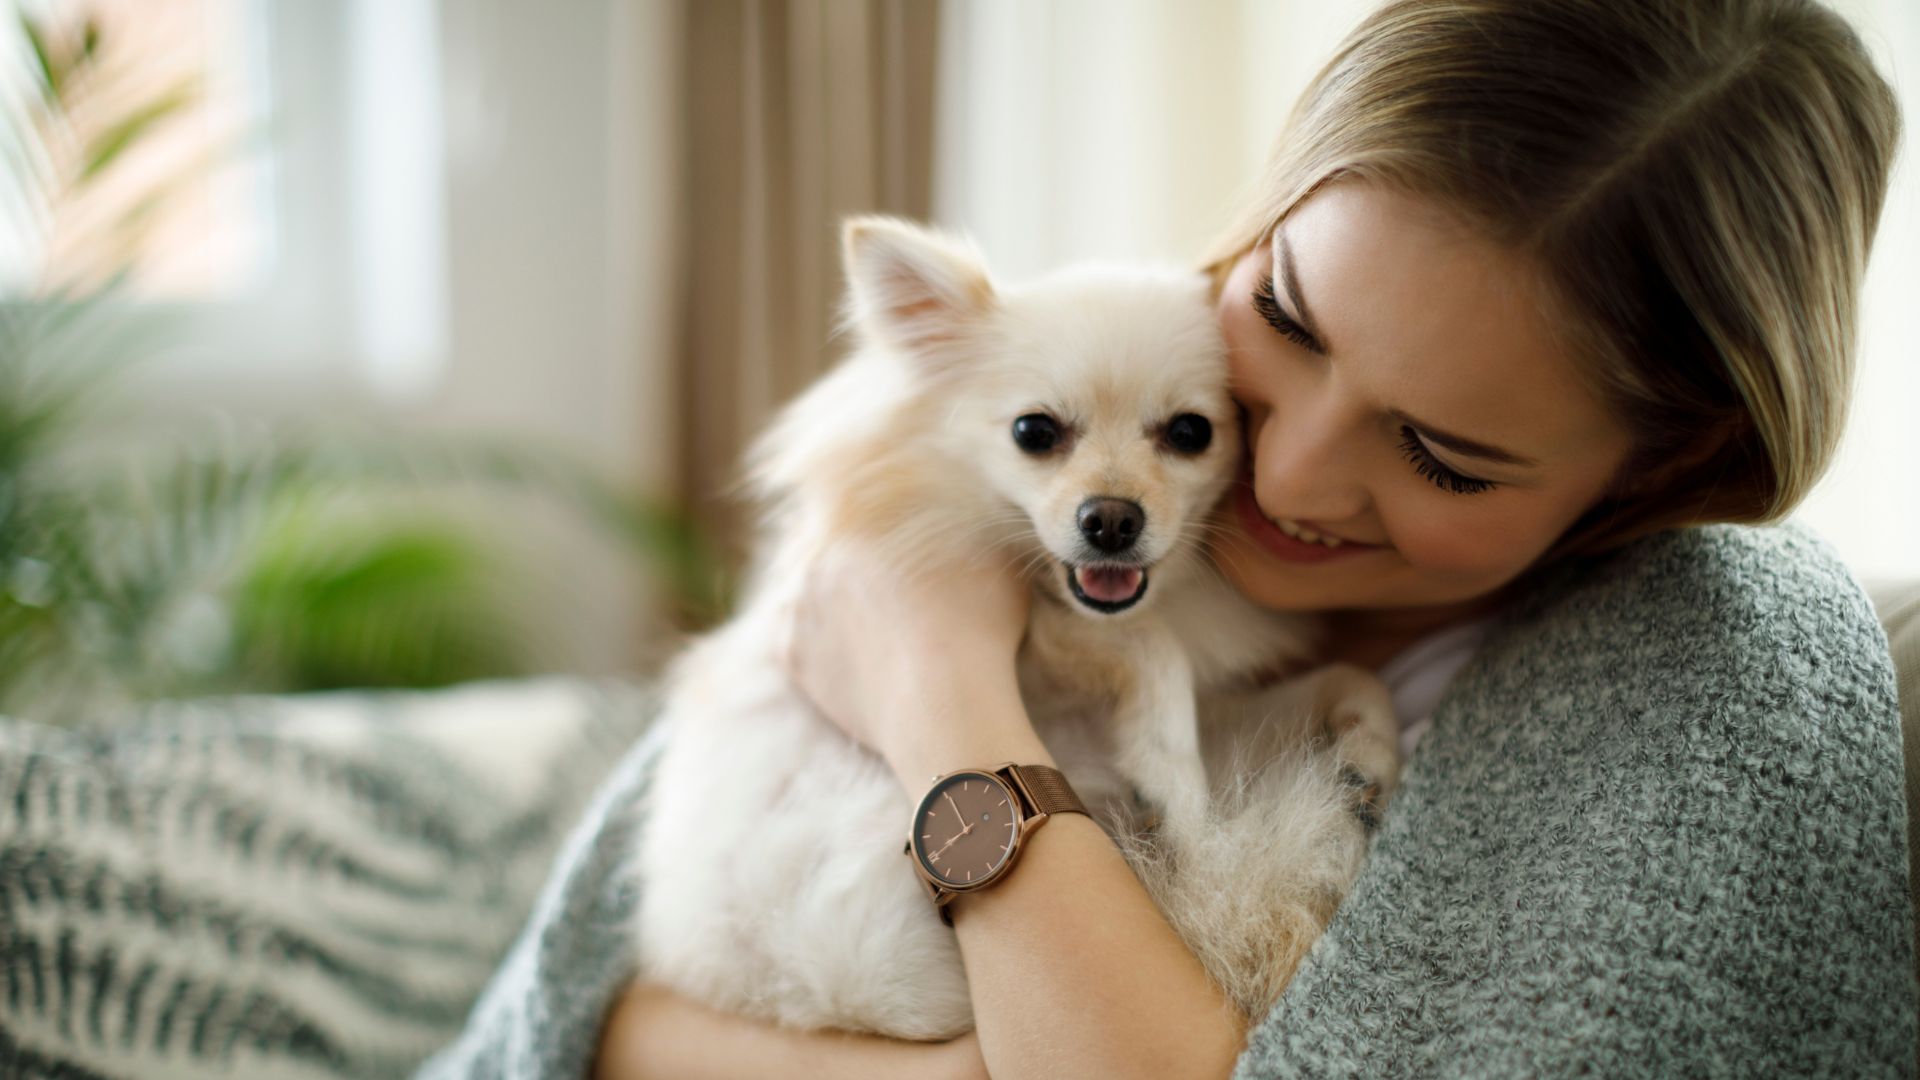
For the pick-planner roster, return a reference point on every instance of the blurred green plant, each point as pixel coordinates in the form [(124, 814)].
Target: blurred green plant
[(272, 562)]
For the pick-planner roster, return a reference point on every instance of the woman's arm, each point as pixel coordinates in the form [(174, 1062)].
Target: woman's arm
[(653, 1032), (1073, 969)]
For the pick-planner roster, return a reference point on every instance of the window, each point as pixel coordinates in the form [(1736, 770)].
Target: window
[(290, 208)]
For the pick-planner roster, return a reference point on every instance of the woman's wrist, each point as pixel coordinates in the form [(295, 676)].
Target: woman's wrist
[(960, 727)]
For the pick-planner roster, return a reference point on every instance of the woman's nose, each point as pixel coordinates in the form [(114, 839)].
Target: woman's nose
[(1305, 466)]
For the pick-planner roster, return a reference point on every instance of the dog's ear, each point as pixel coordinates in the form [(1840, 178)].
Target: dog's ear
[(912, 287)]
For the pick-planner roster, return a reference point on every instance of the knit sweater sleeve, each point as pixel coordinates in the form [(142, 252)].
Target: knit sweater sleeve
[(1656, 829)]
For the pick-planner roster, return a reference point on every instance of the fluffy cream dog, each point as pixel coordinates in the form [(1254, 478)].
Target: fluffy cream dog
[(1080, 427)]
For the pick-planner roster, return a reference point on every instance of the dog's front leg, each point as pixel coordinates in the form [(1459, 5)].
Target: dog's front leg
[(1158, 737)]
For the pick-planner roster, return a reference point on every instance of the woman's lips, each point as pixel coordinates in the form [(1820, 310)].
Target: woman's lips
[(1269, 536)]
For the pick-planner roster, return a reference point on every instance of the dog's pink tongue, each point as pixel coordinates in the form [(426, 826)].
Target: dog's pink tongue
[(1110, 584)]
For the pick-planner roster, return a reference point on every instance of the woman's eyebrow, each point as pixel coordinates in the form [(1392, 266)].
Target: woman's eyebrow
[(1290, 279), (1460, 444)]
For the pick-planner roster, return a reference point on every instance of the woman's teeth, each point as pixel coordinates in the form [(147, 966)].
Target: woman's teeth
[(1308, 535)]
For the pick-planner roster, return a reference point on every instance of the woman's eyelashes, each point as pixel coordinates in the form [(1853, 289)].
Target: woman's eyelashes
[(1424, 463), (1268, 305), (1430, 467)]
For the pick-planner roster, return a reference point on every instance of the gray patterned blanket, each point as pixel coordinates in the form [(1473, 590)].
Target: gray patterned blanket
[(282, 887)]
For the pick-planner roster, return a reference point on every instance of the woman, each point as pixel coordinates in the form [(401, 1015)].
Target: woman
[(1528, 290)]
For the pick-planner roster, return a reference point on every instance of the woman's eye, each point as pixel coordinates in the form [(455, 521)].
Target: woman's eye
[(1189, 433), (1036, 433), (1268, 305), (1430, 467)]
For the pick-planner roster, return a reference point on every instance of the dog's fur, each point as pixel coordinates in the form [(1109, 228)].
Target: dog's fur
[(771, 878)]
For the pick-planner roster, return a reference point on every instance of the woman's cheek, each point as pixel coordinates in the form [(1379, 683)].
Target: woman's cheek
[(1459, 543)]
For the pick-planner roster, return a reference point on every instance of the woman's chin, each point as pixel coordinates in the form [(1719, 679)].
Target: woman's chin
[(1299, 578), (1280, 585), (1281, 591)]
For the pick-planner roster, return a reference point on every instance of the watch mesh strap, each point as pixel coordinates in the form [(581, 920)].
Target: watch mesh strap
[(1049, 790)]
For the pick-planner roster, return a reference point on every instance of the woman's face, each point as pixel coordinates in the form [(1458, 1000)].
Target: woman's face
[(1403, 392)]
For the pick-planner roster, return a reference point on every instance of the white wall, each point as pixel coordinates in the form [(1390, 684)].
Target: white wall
[(1869, 504)]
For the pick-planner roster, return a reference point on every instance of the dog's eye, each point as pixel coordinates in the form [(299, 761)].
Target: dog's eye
[(1036, 433), (1189, 433)]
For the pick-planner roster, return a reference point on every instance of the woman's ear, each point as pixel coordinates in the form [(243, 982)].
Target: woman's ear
[(912, 287)]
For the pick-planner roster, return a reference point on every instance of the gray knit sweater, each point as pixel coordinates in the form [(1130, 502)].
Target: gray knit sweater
[(1656, 829)]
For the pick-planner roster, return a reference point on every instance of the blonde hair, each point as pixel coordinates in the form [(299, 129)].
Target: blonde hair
[(1698, 184)]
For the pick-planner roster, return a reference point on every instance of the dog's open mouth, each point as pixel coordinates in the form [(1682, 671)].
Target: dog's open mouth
[(1107, 587)]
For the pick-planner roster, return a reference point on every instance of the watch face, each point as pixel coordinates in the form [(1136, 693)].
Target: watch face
[(963, 830)]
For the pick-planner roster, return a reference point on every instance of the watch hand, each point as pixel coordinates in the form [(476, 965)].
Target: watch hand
[(949, 843), (956, 836)]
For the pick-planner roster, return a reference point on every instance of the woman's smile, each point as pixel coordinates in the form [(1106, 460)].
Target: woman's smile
[(1290, 540)]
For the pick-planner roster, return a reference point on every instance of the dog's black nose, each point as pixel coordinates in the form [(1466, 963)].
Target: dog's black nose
[(1112, 525)]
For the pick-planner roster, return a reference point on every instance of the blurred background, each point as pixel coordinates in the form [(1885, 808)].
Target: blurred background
[(400, 342)]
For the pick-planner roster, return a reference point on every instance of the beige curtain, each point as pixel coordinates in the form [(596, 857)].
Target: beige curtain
[(796, 114)]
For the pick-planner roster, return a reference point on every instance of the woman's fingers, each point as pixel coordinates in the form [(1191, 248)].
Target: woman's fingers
[(866, 639)]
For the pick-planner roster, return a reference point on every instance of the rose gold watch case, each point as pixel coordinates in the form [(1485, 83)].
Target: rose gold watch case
[(941, 892)]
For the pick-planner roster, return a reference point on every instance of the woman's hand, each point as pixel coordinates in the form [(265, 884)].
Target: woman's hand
[(896, 659)]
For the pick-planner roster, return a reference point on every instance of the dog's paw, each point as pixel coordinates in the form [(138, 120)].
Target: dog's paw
[(1370, 746), (1366, 800), (1358, 718)]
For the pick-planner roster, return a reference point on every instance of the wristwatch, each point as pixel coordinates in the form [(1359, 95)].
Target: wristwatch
[(969, 827)]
